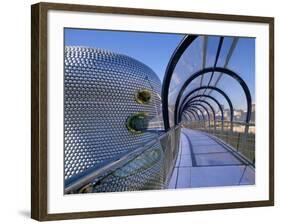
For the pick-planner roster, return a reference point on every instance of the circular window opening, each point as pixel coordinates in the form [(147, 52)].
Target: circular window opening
[(143, 96), (138, 122)]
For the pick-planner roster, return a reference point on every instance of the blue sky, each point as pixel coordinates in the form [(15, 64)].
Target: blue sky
[(155, 50)]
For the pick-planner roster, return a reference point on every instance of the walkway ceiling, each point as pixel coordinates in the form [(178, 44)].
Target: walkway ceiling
[(206, 70)]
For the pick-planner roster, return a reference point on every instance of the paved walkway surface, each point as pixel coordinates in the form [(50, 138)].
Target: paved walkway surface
[(204, 162)]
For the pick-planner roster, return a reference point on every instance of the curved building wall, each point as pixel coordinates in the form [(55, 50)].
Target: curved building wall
[(99, 92)]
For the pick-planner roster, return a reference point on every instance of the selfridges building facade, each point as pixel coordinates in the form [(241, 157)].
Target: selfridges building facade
[(113, 125)]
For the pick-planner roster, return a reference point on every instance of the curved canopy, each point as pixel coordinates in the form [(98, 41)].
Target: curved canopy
[(204, 88), (218, 71)]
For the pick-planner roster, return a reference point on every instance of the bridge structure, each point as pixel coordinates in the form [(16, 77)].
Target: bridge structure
[(216, 149), (201, 137)]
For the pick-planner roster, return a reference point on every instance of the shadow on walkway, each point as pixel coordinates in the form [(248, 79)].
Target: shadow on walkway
[(203, 162)]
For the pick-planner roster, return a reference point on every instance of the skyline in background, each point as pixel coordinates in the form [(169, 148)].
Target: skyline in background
[(156, 49)]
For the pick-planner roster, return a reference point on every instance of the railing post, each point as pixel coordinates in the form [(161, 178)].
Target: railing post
[(238, 142), (231, 126), (245, 136)]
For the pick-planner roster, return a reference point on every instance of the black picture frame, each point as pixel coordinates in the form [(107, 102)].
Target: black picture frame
[(39, 106)]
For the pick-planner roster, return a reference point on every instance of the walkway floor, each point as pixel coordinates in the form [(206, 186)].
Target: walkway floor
[(203, 162)]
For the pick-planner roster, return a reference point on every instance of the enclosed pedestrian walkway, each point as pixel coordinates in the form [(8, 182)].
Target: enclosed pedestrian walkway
[(206, 161)]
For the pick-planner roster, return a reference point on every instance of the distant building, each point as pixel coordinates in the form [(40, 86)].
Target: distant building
[(227, 114), (238, 115)]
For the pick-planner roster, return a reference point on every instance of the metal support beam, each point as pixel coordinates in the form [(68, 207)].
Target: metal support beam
[(188, 116), (185, 43), (196, 108), (210, 106), (217, 69), (198, 104), (216, 60), (213, 88), (210, 97), (193, 112)]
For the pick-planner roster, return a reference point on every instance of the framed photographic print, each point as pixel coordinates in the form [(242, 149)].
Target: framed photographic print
[(138, 111)]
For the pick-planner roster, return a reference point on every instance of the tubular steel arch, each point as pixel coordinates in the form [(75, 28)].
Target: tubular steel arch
[(184, 44), (214, 99), (194, 111), (187, 116), (209, 105), (216, 61), (215, 89), (198, 104), (216, 69), (196, 108)]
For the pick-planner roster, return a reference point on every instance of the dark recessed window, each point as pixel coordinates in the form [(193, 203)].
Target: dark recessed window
[(143, 96)]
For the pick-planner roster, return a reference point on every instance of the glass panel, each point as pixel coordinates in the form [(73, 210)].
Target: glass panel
[(225, 50), (244, 65), (224, 104), (190, 62), (214, 79), (212, 47), (237, 96), (200, 54)]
